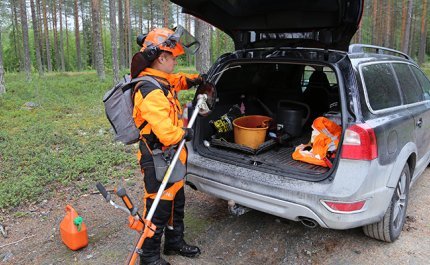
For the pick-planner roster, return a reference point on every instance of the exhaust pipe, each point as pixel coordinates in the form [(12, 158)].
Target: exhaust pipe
[(308, 222), (237, 209)]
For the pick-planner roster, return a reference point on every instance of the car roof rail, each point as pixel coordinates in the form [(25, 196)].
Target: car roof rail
[(359, 48)]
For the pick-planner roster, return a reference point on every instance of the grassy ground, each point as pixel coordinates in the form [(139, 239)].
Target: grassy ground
[(54, 133)]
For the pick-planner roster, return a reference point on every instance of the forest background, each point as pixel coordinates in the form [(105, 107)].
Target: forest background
[(76, 35), (58, 57)]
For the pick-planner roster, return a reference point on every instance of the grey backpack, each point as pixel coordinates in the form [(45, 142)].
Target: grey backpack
[(119, 105)]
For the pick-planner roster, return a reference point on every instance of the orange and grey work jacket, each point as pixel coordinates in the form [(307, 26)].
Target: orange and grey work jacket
[(161, 110)]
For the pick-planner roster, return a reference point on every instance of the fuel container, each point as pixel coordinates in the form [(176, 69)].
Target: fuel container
[(73, 231)]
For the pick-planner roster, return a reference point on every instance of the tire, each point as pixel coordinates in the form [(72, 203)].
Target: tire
[(390, 227)]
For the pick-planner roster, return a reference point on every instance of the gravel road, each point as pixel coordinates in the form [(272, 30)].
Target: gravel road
[(253, 238)]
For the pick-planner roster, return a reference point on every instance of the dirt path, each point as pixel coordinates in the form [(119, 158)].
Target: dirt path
[(253, 238)]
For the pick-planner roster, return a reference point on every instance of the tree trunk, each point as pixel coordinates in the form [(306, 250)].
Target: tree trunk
[(187, 27), (151, 15), (2, 85), (17, 36), (121, 36), (86, 37), (97, 39), (422, 49), (54, 28), (41, 34), (61, 48), (140, 10), (177, 14), (47, 42), (359, 32), (127, 38), (77, 37), (374, 22), (113, 40), (414, 32), (25, 42), (66, 14), (166, 11), (203, 56), (388, 16), (406, 36), (34, 20)]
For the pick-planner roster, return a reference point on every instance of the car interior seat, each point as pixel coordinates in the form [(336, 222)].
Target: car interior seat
[(316, 95)]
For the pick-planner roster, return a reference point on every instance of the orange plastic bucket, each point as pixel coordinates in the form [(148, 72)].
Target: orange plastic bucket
[(251, 130), (73, 231)]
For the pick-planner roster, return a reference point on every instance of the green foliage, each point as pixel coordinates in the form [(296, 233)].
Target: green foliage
[(65, 140), (221, 44)]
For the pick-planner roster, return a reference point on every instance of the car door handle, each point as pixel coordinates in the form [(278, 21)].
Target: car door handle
[(419, 122)]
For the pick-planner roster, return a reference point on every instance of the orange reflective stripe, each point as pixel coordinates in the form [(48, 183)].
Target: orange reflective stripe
[(170, 222), (168, 194)]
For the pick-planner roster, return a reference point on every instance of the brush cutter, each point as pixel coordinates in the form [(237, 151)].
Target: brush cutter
[(148, 229)]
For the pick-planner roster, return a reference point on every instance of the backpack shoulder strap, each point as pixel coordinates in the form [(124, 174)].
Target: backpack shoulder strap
[(145, 88), (147, 84)]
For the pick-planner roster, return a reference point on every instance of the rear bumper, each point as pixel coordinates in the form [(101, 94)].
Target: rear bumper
[(284, 209), (293, 199)]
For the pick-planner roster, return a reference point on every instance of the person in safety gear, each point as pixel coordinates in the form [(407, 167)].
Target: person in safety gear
[(159, 111)]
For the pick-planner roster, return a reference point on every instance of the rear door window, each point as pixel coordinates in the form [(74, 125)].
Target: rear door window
[(424, 82), (381, 86), (408, 83)]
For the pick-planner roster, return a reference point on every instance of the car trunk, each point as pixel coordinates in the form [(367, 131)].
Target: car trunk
[(263, 88)]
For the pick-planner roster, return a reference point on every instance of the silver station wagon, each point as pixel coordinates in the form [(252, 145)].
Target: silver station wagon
[(293, 63)]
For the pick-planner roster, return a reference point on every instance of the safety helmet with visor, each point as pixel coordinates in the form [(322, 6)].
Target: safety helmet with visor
[(176, 41)]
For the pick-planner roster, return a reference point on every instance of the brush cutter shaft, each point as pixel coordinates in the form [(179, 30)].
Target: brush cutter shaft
[(201, 100)]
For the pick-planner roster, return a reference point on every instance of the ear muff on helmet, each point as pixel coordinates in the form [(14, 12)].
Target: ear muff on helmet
[(151, 53), (138, 64)]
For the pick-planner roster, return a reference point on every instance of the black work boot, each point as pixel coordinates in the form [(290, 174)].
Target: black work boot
[(182, 249), (159, 261)]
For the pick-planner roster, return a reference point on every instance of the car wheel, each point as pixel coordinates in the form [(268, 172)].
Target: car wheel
[(390, 227)]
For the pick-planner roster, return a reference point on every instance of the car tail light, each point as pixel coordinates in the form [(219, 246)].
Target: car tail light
[(344, 207), (359, 143)]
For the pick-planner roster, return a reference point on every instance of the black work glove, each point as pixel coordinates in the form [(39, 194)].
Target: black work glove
[(189, 134), (201, 79)]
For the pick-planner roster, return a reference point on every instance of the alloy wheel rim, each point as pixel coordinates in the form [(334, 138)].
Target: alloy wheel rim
[(400, 203)]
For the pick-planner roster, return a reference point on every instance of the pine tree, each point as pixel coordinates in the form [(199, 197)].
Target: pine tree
[(2, 85), (47, 41), (97, 39), (77, 36), (114, 40), (25, 42), (34, 20)]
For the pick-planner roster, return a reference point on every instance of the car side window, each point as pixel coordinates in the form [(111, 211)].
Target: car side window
[(408, 83), (424, 82), (381, 86)]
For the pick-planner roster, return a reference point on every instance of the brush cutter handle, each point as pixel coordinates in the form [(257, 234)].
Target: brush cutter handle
[(103, 191), (121, 192)]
